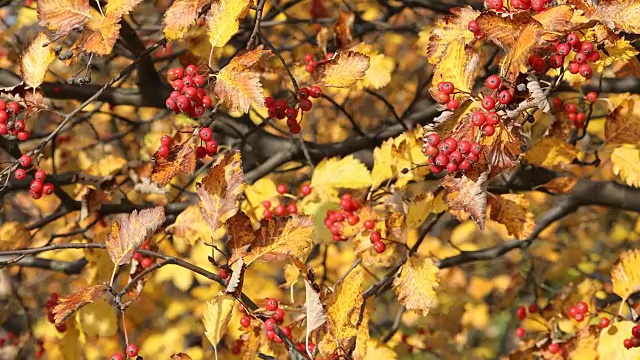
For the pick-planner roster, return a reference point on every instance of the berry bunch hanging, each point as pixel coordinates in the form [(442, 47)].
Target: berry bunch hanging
[(311, 61), (188, 96), (450, 155), (634, 340), (280, 109), (576, 112), (49, 305), (37, 187), (145, 261), (584, 53), (11, 123)]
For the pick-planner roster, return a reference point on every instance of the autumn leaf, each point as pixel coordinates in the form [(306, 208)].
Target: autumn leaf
[(619, 14), (451, 31), (625, 274), (626, 164), (237, 85), (347, 173), (416, 283), (180, 356), (560, 185), (63, 16), (316, 315), (377, 350), (611, 338), (281, 237), (551, 153), (234, 284), (343, 70), (190, 226), (623, 121), (216, 318), (512, 210), (180, 16), (35, 60), (128, 234), (380, 68), (621, 50), (13, 235), (465, 194), (459, 66), (241, 234), (101, 36), (220, 189), (583, 344), (223, 20), (69, 305), (181, 160), (418, 209), (382, 164), (342, 29)]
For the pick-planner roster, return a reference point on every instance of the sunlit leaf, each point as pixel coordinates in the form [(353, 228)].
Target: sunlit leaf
[(181, 160), (281, 237), (216, 318), (611, 338), (626, 164), (62, 16), (35, 60), (513, 211), (180, 16), (625, 275), (465, 194), (343, 70), (619, 14), (551, 153), (416, 284), (623, 121), (128, 234), (348, 173), (223, 20), (69, 305), (237, 85)]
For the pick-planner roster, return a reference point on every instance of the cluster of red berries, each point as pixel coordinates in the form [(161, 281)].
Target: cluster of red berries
[(578, 311), (634, 340), (521, 313), (282, 209), (537, 5), (475, 29), (334, 219), (210, 147), (577, 118), (585, 52), (145, 261), (37, 187), (188, 96), (9, 124), (280, 109), (443, 96), (450, 155), (131, 351), (277, 317), (49, 305), (312, 63)]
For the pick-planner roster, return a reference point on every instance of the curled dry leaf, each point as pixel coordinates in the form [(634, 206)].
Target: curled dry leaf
[(467, 195), (316, 315), (416, 283), (128, 234), (512, 211), (63, 16), (561, 185), (237, 85), (342, 29), (626, 164), (551, 153), (220, 190), (181, 160), (216, 318), (234, 285), (625, 274), (69, 305), (35, 60), (343, 71), (223, 20), (180, 16), (279, 238), (241, 234)]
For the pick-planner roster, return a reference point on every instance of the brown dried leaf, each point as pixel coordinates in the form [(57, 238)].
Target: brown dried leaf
[(237, 85), (623, 121), (560, 185), (241, 234), (128, 234), (35, 60), (181, 160), (69, 305), (503, 31), (512, 211), (620, 15), (180, 16), (220, 190), (342, 29), (180, 356), (279, 238), (62, 16), (465, 194), (504, 149), (343, 71), (236, 280)]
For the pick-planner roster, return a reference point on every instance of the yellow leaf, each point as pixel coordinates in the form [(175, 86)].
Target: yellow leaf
[(237, 85), (98, 319), (512, 210), (69, 305), (281, 237), (468, 195), (119, 8), (342, 71), (611, 338), (382, 163), (216, 318), (622, 50), (343, 311), (419, 208), (190, 226), (62, 16), (623, 121), (451, 31), (583, 344), (551, 153), (348, 173), (619, 14), (459, 65), (560, 185), (35, 60), (625, 274), (107, 165), (13, 235), (180, 16), (377, 350), (416, 284), (223, 20), (128, 234), (262, 190), (626, 164), (379, 73)]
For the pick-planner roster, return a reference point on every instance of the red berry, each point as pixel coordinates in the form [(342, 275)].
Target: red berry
[(557, 102), (556, 61), (191, 70), (117, 357), (379, 247), (3, 117), (280, 210), (190, 91), (446, 87), (198, 80), (554, 348), (353, 219), (308, 57), (521, 312), (538, 5), (533, 308), (291, 113), (464, 146), (430, 150), (445, 148), (269, 324), (442, 160), (435, 169), (163, 151), (579, 317), (604, 322), (245, 321), (585, 71), (165, 140), (563, 49), (628, 344), (478, 118), (305, 104), (464, 165), (23, 135), (375, 236), (271, 304), (18, 125), (295, 129), (40, 175), (36, 185), (573, 40), (267, 214), (492, 118), (572, 311), (587, 47), (479, 35), (369, 225), (183, 103), (520, 332), (146, 262), (292, 208), (493, 82), (455, 157), (488, 130), (34, 194), (574, 67), (282, 188), (441, 98), (473, 26), (286, 330), (305, 189), (179, 72), (278, 315), (570, 108), (488, 103), (594, 56), (451, 167), (591, 96), (201, 152), (48, 188), (310, 67), (580, 58), (223, 273), (20, 174), (581, 117), (178, 85), (452, 104), (433, 138), (315, 92), (504, 97), (495, 4), (132, 350), (271, 335), (635, 331), (25, 160), (269, 101), (539, 65), (303, 93), (13, 108), (206, 134)]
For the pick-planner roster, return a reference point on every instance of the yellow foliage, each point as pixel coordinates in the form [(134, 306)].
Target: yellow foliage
[(626, 164), (416, 284), (348, 173)]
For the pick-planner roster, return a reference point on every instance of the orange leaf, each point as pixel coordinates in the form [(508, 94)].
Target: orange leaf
[(623, 122), (451, 30), (220, 190), (619, 14), (342, 28), (62, 16), (504, 149), (512, 211), (504, 31), (281, 237), (181, 160), (128, 234), (237, 85), (240, 234), (465, 194), (69, 305), (103, 34), (180, 17), (119, 8), (343, 71), (560, 185), (556, 19), (35, 60)]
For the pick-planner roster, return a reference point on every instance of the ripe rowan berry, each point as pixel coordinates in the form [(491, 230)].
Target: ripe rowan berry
[(476, 148), (165, 140), (271, 304), (521, 312), (245, 321), (163, 151), (433, 138), (442, 160), (305, 189), (556, 61), (25, 160), (280, 210), (452, 104), (446, 87), (191, 70), (223, 273), (574, 67), (132, 350), (269, 324), (205, 134), (201, 152), (520, 332), (375, 236), (20, 174), (13, 108), (533, 308), (146, 262), (587, 48), (278, 315), (305, 104), (441, 98), (369, 225), (591, 96), (604, 322), (36, 185), (488, 130), (570, 108), (554, 348), (573, 40), (35, 194), (492, 118), (493, 82), (478, 118), (580, 58), (379, 247), (473, 26), (635, 331), (117, 357), (586, 71), (538, 5), (488, 103), (594, 56), (563, 49), (286, 330), (282, 189), (292, 208), (315, 92)]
